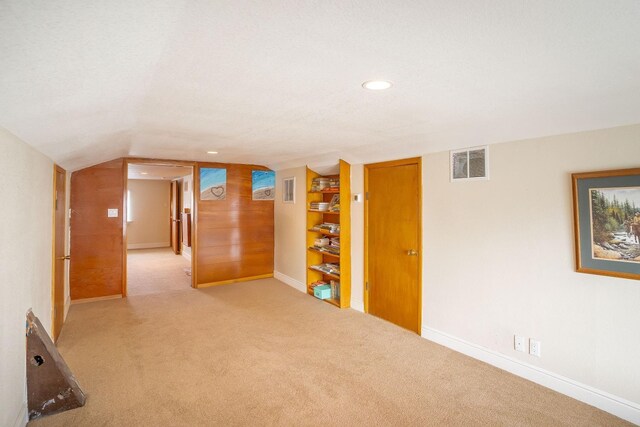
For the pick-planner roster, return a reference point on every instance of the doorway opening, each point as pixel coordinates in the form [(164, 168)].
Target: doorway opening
[(393, 242), (159, 203)]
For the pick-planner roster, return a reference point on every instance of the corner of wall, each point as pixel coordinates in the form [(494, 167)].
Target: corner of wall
[(295, 284), (357, 305), (21, 419)]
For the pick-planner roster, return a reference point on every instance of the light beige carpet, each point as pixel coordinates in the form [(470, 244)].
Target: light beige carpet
[(151, 271), (262, 353)]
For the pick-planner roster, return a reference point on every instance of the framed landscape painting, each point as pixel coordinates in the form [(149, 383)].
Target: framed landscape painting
[(606, 207)]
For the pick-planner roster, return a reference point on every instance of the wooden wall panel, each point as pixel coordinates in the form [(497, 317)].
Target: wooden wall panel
[(234, 237), (96, 241)]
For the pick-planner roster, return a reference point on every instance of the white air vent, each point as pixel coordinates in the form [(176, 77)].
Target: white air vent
[(289, 190), (469, 164)]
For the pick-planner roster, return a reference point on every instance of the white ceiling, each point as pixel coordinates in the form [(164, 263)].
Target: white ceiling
[(278, 82), (157, 171)]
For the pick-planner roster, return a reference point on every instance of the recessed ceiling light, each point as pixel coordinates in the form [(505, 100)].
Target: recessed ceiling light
[(212, 152), (377, 84), (144, 173)]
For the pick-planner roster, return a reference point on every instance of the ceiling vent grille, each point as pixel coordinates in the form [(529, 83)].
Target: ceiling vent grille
[(469, 164)]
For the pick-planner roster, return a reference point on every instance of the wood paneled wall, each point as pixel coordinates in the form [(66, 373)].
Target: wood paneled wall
[(97, 241), (233, 237)]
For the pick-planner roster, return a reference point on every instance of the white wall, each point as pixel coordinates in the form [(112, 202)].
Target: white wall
[(187, 201), (25, 263), (290, 231), (499, 260), (357, 239), (150, 213)]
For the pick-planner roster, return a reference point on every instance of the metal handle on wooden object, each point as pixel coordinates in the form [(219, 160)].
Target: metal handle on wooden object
[(61, 258), (412, 252)]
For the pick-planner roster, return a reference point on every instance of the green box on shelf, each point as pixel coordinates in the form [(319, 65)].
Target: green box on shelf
[(322, 291)]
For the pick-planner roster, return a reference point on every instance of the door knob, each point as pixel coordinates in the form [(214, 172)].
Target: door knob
[(412, 252)]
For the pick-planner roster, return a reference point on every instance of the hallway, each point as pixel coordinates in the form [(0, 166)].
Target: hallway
[(153, 271)]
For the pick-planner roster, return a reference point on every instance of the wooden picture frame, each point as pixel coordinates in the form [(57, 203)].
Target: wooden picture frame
[(606, 211)]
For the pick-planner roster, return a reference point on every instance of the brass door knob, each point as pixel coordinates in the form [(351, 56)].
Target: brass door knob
[(412, 252)]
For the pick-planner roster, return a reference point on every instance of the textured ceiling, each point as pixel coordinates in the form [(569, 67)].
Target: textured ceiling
[(278, 82)]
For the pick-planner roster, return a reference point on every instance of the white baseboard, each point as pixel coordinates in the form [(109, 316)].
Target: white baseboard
[(357, 305), (21, 419), (615, 405), (295, 284), (148, 245), (186, 255)]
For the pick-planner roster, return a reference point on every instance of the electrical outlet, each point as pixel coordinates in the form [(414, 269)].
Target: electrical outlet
[(518, 343), (534, 347)]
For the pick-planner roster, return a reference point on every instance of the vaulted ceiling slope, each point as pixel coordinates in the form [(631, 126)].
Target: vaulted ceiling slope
[(279, 82)]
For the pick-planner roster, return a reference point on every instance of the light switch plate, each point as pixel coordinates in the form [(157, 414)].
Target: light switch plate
[(112, 213)]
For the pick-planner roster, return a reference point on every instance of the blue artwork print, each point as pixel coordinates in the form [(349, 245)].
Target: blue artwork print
[(213, 184), (263, 185)]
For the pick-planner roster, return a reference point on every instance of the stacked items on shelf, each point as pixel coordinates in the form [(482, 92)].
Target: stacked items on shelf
[(334, 186), (318, 283), (319, 184), (326, 185), (319, 206), (334, 205), (335, 289), (328, 268), (321, 243), (320, 289), (329, 246), (327, 226)]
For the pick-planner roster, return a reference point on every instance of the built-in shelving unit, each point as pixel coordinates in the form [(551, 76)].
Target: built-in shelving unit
[(342, 217)]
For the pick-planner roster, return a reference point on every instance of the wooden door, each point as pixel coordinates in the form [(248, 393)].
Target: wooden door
[(59, 256), (175, 217), (393, 242), (98, 268)]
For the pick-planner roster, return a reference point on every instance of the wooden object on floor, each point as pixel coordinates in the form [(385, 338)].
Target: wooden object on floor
[(97, 243), (393, 242), (233, 237), (51, 387), (343, 217), (59, 256)]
